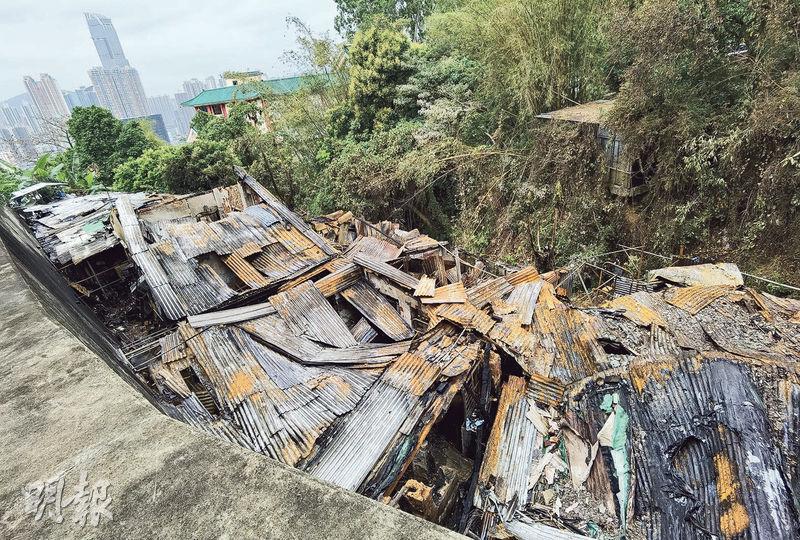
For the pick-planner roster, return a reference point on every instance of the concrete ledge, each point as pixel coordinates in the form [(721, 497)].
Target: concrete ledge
[(63, 410)]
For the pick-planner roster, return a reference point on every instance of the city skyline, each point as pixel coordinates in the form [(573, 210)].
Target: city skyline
[(168, 44), (117, 84)]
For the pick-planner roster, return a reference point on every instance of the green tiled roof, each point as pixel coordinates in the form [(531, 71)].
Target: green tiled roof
[(227, 94)]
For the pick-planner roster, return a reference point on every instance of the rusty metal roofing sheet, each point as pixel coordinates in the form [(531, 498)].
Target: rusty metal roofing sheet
[(279, 209), (721, 436), (448, 294), (513, 447), (481, 294), (377, 309), (357, 441), (374, 249), (273, 331), (695, 298), (363, 331), (339, 280), (282, 407), (365, 354), (386, 270), (307, 312), (523, 275), (426, 287), (567, 344), (636, 311), (524, 297), (245, 271)]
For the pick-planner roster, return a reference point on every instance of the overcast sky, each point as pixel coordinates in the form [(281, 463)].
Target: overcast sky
[(168, 41)]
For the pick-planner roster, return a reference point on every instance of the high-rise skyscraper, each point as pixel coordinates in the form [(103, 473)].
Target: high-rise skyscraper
[(46, 96), (85, 96), (193, 87), (117, 84), (106, 41)]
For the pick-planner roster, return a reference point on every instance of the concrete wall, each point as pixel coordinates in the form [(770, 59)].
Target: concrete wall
[(64, 410)]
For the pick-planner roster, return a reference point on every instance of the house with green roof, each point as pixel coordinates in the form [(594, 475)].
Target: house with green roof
[(217, 101)]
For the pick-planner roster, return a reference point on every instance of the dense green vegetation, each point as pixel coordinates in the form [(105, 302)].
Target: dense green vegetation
[(426, 114)]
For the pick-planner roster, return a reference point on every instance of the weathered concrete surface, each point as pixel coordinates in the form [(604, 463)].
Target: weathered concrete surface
[(62, 409)]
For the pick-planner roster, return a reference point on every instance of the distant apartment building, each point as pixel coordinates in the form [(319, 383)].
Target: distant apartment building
[(120, 90), (212, 82), (46, 96), (193, 87), (85, 96), (117, 84), (185, 114), (17, 145), (156, 123)]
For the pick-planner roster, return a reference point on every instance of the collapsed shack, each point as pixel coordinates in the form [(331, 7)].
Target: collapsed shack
[(473, 395)]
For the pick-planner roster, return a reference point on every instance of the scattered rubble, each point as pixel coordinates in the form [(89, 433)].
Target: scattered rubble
[(472, 394)]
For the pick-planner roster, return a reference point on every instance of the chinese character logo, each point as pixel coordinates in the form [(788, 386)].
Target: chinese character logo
[(45, 498)]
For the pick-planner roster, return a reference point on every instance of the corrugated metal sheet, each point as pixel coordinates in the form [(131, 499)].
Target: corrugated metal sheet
[(426, 287), (397, 276), (523, 275), (245, 271), (693, 299), (281, 406), (273, 331), (363, 331), (720, 437), (362, 355), (374, 249), (529, 530), (264, 216), (481, 294), (448, 294), (307, 312), (700, 274), (513, 447), (524, 297), (389, 409), (277, 207), (377, 309), (636, 311)]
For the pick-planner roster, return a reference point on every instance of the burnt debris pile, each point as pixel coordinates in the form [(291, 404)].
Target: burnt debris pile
[(475, 395)]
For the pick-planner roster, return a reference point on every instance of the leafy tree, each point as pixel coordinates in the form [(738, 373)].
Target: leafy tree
[(148, 172), (189, 168), (134, 138), (94, 132), (353, 14), (535, 55), (200, 166), (378, 65), (241, 119)]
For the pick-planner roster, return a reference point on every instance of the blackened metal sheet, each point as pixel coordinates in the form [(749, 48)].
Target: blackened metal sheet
[(363, 331), (306, 311), (273, 331), (377, 309), (708, 463)]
